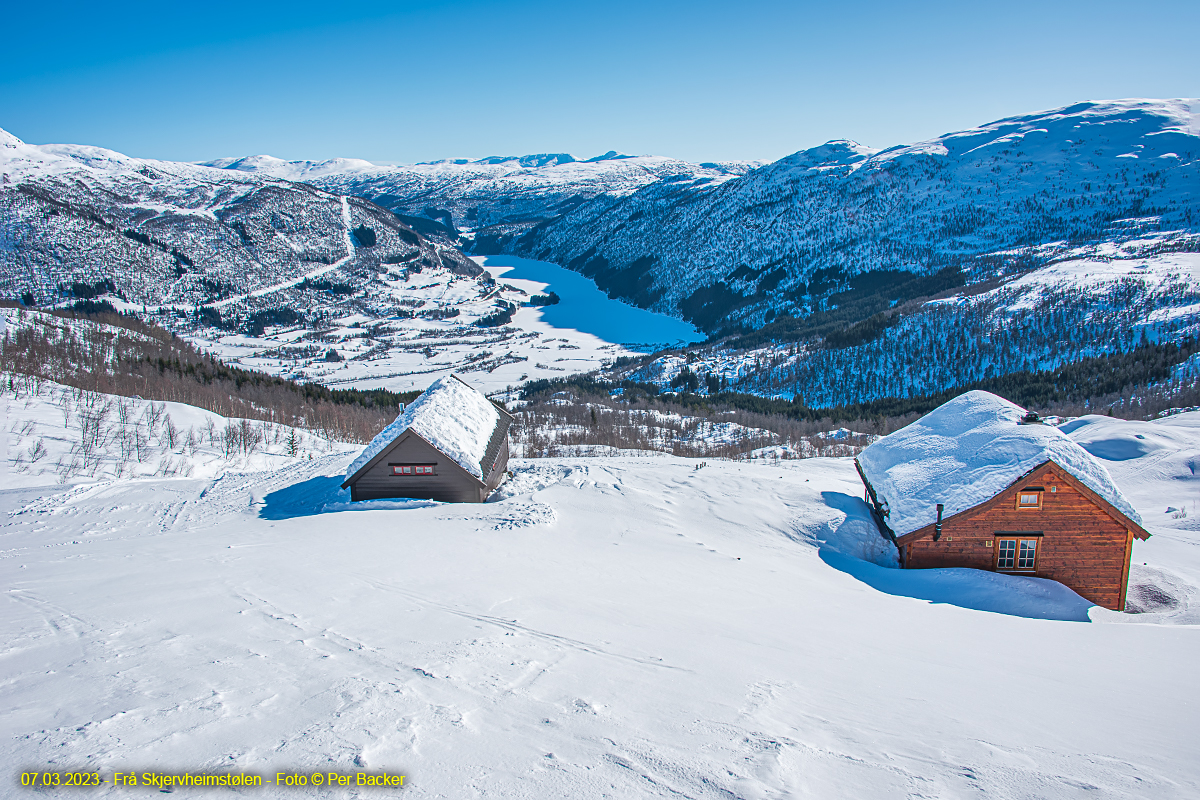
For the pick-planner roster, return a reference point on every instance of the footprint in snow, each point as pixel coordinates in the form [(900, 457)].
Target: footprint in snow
[(523, 515)]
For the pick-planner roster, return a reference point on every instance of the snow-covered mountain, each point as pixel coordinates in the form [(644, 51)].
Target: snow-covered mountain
[(494, 198), (1010, 195), (1057, 315), (80, 221), (733, 244), (835, 261)]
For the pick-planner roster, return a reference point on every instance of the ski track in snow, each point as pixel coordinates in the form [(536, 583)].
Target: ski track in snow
[(349, 244), (615, 627)]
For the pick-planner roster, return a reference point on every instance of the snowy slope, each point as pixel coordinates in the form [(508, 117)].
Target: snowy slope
[(782, 238), (1157, 465), (607, 628), (172, 236), (1040, 320), (57, 434)]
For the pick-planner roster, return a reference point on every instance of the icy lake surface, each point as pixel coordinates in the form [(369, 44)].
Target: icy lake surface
[(585, 308)]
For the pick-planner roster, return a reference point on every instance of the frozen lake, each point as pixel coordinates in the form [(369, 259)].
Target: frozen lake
[(585, 308)]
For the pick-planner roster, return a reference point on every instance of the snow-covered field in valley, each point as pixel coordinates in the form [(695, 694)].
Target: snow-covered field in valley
[(584, 331), (608, 627)]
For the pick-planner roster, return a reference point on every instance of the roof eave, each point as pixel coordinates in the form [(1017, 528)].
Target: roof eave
[(874, 503)]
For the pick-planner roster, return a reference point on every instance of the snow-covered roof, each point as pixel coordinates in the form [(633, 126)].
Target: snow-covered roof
[(451, 416), (964, 453)]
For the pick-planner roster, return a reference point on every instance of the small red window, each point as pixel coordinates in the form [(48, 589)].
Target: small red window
[(412, 470)]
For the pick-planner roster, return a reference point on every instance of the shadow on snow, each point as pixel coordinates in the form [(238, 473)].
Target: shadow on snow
[(1016, 595), (324, 495)]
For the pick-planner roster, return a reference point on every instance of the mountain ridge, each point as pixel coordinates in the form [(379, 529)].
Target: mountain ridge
[(981, 201), (182, 236), (840, 273), (735, 245)]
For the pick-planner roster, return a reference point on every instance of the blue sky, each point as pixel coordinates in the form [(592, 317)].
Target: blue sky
[(411, 81)]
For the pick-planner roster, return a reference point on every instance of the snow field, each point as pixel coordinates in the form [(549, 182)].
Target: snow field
[(626, 627), (1157, 465), (585, 331)]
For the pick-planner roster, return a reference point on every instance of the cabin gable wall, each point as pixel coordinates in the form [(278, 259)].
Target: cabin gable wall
[(450, 483), (1081, 544)]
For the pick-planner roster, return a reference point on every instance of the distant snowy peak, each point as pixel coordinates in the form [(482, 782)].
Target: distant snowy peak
[(1180, 114), (611, 155), (551, 165), (537, 160), (18, 158), (293, 170), (534, 161), (1114, 121), (496, 193), (246, 163), (836, 153)]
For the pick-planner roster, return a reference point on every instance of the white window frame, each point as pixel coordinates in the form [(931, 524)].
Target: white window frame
[(1022, 542)]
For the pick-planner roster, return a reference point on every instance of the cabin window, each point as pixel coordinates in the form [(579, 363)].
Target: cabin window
[(412, 469), (1030, 497), (1016, 554), (1026, 553)]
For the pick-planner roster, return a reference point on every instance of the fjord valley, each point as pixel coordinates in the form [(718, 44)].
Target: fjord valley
[(696, 403), (836, 276)]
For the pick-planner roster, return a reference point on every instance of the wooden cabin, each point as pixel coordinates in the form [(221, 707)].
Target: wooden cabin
[(450, 444), (981, 483)]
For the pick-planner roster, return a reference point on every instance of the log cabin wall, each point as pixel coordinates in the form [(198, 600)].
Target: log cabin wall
[(450, 483), (1081, 545)]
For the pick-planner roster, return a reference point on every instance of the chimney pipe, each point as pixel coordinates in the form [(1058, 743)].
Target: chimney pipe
[(937, 528)]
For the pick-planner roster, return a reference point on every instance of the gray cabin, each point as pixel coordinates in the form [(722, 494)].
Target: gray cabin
[(450, 444)]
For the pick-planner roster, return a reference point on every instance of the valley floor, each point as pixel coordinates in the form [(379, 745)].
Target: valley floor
[(583, 331)]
